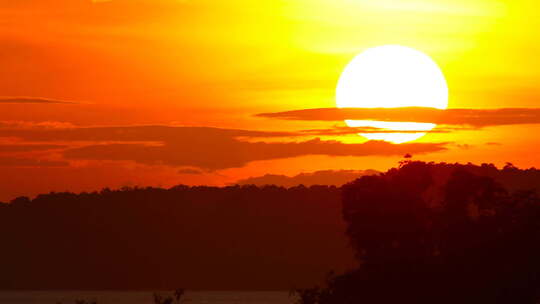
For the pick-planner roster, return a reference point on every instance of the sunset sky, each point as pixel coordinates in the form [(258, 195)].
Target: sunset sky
[(119, 93)]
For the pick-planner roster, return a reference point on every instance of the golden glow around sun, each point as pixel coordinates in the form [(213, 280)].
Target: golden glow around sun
[(392, 76)]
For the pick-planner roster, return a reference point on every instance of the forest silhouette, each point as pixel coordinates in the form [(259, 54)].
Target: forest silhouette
[(236, 238), (419, 233), (438, 233)]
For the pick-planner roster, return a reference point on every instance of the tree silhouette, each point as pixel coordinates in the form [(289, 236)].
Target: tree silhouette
[(177, 297), (443, 229), (421, 237)]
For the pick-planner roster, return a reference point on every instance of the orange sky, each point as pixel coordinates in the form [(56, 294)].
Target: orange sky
[(72, 67)]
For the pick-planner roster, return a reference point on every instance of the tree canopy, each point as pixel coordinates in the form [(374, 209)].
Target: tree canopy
[(425, 237)]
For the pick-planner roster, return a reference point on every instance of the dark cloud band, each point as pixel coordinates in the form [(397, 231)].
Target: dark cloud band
[(476, 118), (204, 148)]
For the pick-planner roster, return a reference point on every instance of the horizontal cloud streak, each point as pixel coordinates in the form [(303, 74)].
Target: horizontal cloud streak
[(37, 100), (477, 118), (30, 162), (339, 131), (28, 148), (231, 153), (204, 148), (130, 133)]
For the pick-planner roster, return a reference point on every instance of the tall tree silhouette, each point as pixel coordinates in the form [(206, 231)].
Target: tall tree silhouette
[(426, 237)]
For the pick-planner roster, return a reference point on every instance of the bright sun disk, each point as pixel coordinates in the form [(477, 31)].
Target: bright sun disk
[(392, 76)]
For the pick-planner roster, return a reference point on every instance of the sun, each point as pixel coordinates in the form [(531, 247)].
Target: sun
[(392, 76)]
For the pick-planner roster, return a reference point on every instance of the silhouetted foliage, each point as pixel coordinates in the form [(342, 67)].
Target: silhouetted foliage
[(22, 200), (85, 302), (248, 237), (237, 237), (175, 298), (430, 233), (82, 302)]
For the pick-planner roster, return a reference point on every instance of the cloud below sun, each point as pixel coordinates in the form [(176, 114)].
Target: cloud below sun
[(205, 148), (475, 118)]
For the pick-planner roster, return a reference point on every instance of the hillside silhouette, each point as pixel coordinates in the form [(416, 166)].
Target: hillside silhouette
[(268, 237), (323, 177), (439, 233)]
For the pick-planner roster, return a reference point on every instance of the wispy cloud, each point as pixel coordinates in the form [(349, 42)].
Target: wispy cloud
[(190, 171), (25, 125), (130, 133), (8, 148), (6, 161), (36, 100), (476, 118), (340, 130)]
